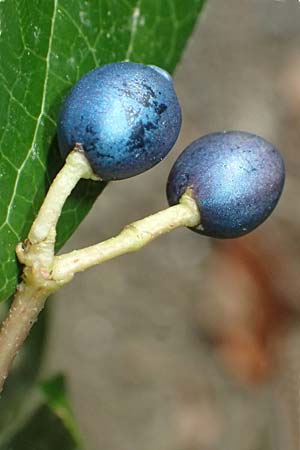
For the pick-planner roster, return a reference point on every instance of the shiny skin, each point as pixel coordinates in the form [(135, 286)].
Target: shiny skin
[(235, 177), (126, 116)]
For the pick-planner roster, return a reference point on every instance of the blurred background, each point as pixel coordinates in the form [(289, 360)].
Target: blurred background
[(193, 344)]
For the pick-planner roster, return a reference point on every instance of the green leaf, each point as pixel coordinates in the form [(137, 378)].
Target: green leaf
[(51, 426), (55, 392), (44, 431), (27, 418), (45, 46)]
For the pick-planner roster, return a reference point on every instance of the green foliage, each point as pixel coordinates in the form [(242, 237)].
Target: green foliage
[(50, 425), (45, 46), (57, 398), (36, 415), (44, 431)]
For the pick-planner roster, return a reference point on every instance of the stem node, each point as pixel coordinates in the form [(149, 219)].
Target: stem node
[(44, 273)]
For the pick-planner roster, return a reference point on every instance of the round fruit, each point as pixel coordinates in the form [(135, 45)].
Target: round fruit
[(126, 116), (235, 177)]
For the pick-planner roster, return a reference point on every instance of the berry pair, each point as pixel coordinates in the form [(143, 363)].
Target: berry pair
[(126, 117)]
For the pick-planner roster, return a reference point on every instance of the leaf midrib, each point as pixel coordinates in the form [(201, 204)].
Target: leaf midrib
[(41, 114)]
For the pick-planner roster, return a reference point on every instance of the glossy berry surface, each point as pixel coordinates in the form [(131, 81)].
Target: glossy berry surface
[(235, 177), (126, 116)]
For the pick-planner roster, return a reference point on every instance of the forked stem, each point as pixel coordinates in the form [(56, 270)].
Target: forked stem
[(37, 256), (45, 273)]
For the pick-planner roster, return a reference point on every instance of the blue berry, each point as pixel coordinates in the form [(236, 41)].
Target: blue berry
[(235, 177), (126, 116)]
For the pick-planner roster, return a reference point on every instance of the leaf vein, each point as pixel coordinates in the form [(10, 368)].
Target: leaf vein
[(38, 123), (75, 25), (134, 25)]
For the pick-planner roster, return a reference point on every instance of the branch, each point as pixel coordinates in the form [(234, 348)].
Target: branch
[(23, 313), (44, 273), (132, 238)]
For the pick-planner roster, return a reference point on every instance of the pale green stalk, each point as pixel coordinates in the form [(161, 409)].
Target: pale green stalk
[(132, 238), (45, 273), (76, 167)]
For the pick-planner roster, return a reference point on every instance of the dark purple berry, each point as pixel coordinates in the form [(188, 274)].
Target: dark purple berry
[(235, 177), (126, 116)]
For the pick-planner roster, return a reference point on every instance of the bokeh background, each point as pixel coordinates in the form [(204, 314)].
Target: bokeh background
[(193, 344)]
